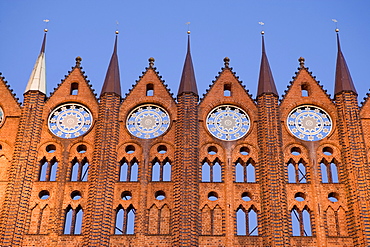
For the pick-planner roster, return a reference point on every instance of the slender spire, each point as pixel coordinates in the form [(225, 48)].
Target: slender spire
[(112, 82), (37, 79), (343, 79), (266, 82), (188, 83)]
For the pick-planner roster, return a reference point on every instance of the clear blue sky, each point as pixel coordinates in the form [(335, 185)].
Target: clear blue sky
[(157, 29)]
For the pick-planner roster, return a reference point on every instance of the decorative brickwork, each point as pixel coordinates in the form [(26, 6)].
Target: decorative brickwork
[(150, 170)]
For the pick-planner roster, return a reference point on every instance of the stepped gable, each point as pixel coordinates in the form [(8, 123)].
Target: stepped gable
[(365, 106), (301, 79), (5, 91), (149, 75), (225, 70), (76, 75)]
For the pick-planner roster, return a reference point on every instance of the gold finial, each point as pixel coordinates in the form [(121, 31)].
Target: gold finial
[(188, 23), (78, 61), (301, 62), (262, 24), (46, 25), (151, 62), (336, 25), (117, 27), (226, 62)]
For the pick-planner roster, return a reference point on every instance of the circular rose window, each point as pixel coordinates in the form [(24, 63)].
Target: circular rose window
[(148, 121), (1, 116), (70, 120), (227, 122), (309, 123)]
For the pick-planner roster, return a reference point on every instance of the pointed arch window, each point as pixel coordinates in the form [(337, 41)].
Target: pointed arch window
[(297, 172), (80, 170), (212, 220), (39, 219), (73, 220), (129, 171), (48, 170), (301, 222), (159, 220), (245, 171), (246, 221), (161, 171), (125, 220), (211, 172), (329, 171)]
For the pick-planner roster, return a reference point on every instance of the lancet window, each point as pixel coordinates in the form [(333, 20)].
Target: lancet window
[(301, 222), (297, 172), (129, 171), (212, 220), (80, 170), (161, 171), (48, 170), (73, 220), (246, 221), (125, 220), (329, 171), (39, 219), (336, 222), (159, 220), (211, 171), (245, 171)]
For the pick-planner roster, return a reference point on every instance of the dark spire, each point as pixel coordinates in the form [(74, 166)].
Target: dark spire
[(112, 82), (343, 79), (43, 43), (188, 83), (266, 82)]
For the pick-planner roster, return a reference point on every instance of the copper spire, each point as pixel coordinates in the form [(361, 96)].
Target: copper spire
[(188, 83), (37, 79), (112, 82), (266, 82), (343, 79)]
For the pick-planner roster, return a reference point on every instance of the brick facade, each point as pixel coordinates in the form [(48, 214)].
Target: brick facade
[(185, 186)]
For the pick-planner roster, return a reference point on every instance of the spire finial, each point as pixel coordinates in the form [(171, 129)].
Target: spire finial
[(78, 61), (151, 62), (46, 25), (226, 62), (188, 23), (301, 62), (117, 23), (262, 24)]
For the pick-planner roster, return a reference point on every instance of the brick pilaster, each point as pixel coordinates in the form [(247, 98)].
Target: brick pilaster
[(185, 220), (274, 217), (15, 212)]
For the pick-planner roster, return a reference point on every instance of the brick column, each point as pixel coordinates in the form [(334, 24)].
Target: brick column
[(99, 217), (274, 217), (15, 212), (185, 220)]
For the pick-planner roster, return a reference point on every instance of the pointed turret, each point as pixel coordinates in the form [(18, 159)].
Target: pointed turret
[(112, 82), (37, 79), (266, 82), (188, 83), (343, 79)]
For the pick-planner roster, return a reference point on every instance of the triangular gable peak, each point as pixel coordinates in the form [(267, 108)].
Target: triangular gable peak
[(74, 88), (150, 86), (74, 84), (365, 107), (305, 89), (6, 94), (226, 83)]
